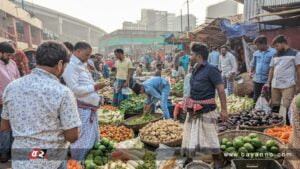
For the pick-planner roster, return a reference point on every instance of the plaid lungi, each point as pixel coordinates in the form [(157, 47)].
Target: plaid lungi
[(88, 136), (200, 135)]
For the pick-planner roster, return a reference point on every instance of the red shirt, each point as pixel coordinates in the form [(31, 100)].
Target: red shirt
[(22, 62), (109, 63), (8, 73)]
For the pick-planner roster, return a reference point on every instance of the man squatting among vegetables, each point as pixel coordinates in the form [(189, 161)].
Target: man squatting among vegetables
[(200, 127), (157, 89)]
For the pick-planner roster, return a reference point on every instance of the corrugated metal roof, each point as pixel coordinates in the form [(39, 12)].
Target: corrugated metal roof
[(279, 2), (255, 7)]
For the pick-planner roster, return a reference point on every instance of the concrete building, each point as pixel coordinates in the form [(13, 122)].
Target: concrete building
[(133, 26), (172, 22), (155, 20), (223, 9), (193, 23), (18, 25), (63, 27)]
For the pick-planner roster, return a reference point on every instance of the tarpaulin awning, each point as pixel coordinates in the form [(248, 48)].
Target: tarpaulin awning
[(248, 29), (167, 36)]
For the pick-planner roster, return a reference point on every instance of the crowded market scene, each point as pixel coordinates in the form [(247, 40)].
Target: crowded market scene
[(218, 89)]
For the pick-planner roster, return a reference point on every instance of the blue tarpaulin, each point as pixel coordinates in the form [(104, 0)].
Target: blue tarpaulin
[(167, 36), (248, 29)]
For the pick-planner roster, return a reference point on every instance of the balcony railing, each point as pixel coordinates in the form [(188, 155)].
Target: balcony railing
[(21, 37), (7, 34)]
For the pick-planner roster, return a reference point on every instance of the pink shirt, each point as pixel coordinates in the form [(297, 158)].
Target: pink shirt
[(8, 73)]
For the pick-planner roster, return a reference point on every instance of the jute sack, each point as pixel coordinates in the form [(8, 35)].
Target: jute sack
[(293, 162), (243, 85)]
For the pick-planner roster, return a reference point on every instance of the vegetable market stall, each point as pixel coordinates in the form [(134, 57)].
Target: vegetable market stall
[(121, 148)]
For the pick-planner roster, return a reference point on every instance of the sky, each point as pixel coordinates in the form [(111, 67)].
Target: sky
[(110, 14)]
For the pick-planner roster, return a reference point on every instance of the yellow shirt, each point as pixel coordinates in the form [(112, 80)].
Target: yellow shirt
[(123, 68)]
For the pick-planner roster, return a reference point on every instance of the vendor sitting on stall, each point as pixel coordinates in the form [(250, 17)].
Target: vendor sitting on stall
[(157, 89)]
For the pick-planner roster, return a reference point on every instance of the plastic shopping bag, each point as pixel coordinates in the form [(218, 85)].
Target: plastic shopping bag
[(262, 105)]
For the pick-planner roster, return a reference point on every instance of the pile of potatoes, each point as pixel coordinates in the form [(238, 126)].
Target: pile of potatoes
[(162, 131)]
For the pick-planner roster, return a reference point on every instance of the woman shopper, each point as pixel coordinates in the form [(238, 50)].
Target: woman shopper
[(200, 127)]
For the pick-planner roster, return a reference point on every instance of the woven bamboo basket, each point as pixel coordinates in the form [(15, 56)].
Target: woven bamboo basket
[(261, 128), (131, 131), (137, 127), (263, 137)]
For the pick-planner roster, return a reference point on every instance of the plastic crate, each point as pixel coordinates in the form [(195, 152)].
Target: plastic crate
[(255, 164)]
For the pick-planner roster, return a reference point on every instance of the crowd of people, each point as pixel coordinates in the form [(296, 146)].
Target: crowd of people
[(52, 104)]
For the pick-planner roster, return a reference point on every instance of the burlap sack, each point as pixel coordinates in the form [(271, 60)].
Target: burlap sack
[(293, 162), (295, 141), (243, 85)]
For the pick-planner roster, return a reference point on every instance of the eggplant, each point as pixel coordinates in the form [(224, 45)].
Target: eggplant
[(245, 118)]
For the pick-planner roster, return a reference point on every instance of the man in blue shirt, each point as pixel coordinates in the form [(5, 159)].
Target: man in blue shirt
[(260, 64), (213, 57), (184, 62), (157, 89), (147, 61)]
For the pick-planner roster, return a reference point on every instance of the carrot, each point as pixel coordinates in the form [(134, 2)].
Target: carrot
[(285, 136)]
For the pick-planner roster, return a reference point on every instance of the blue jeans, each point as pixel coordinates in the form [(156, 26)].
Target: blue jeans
[(5, 139), (164, 101)]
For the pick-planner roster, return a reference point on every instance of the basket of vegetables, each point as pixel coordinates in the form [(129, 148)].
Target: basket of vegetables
[(166, 132), (73, 164), (139, 121), (258, 120), (236, 104), (132, 106), (177, 89), (282, 133), (110, 115), (250, 145), (116, 134)]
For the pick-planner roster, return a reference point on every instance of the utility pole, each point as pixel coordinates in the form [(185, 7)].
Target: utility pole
[(181, 20), (188, 15), (23, 6)]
